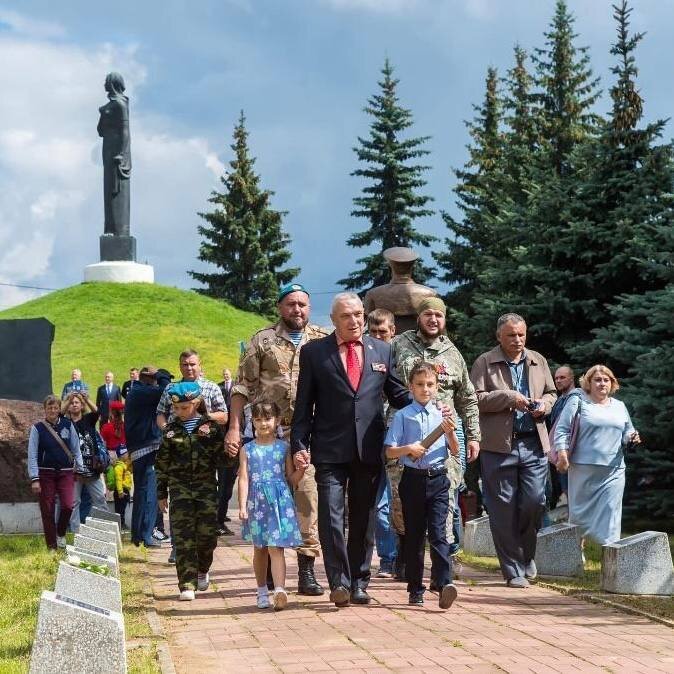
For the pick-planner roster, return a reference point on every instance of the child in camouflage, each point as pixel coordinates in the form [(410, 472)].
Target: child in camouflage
[(266, 505), (191, 448)]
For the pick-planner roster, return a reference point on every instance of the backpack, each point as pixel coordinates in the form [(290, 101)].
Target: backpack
[(101, 459)]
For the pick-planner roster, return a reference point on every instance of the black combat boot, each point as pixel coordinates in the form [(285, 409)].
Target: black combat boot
[(399, 568), (306, 580)]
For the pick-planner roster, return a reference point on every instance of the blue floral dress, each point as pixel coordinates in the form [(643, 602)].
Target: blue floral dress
[(271, 508)]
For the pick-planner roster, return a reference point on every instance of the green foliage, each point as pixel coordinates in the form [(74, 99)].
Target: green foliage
[(390, 201), (101, 326), (244, 238)]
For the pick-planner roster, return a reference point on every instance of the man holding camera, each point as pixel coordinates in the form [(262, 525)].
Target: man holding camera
[(515, 392)]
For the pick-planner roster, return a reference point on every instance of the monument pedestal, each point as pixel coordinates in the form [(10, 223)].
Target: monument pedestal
[(114, 248), (119, 272)]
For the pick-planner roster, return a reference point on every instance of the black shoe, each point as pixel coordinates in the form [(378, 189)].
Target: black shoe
[(401, 573), (224, 530), (416, 598), (447, 596), (306, 580), (359, 596), (433, 586), (340, 596), (172, 557), (227, 519)]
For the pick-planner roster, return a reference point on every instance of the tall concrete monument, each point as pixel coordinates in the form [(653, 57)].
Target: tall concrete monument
[(117, 246), (401, 295)]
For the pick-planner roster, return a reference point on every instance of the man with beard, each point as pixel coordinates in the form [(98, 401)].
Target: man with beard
[(429, 343), (269, 370)]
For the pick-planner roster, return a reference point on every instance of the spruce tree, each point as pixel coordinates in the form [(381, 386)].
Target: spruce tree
[(390, 201), (244, 238)]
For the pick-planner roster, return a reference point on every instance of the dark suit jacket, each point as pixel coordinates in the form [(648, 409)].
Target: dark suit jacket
[(333, 420), (103, 400)]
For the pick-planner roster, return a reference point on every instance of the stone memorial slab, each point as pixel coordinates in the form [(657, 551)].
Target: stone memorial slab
[(93, 558), (106, 515), (96, 546), (92, 532), (94, 588), (104, 525), (558, 515), (76, 637), (477, 538), (558, 551), (639, 564)]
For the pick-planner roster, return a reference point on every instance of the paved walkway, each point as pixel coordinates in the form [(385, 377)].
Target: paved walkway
[(490, 628)]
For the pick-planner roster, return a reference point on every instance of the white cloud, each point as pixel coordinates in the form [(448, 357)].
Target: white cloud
[(24, 25), (51, 205)]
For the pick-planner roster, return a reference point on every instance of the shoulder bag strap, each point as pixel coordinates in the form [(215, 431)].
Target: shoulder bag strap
[(58, 439)]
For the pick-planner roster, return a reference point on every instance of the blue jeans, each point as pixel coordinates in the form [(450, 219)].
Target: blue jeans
[(384, 535), (144, 499)]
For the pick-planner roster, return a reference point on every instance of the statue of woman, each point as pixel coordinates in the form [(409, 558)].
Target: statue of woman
[(113, 127)]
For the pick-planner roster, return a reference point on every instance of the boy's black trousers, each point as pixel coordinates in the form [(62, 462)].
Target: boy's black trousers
[(425, 504)]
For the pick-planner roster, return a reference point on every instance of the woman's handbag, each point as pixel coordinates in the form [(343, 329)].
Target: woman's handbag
[(553, 454)]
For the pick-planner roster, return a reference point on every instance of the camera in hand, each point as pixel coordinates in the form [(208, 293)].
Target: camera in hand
[(532, 406)]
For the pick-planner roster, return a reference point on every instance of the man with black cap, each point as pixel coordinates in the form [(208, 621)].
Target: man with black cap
[(142, 440), (269, 370)]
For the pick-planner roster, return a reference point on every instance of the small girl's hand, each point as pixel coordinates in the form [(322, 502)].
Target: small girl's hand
[(243, 514), (295, 477)]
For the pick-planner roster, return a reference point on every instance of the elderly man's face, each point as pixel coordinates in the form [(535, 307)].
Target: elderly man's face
[(384, 331), (190, 368), (109, 377), (294, 310), (348, 317), (563, 379), (431, 323), (76, 375), (226, 375), (512, 337)]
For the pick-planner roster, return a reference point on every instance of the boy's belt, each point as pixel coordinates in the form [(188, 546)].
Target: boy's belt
[(428, 472), (518, 435)]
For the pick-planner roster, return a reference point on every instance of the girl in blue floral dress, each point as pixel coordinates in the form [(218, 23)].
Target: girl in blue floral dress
[(266, 506)]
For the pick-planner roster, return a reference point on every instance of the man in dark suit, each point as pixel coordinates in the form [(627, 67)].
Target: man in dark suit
[(338, 425), (105, 395)]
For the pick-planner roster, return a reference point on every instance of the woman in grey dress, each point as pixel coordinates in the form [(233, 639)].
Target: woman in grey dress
[(596, 463)]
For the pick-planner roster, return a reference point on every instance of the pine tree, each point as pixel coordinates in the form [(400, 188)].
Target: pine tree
[(244, 238), (391, 201)]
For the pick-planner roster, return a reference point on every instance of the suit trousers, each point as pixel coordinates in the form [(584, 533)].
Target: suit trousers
[(425, 502), (514, 491), (347, 563)]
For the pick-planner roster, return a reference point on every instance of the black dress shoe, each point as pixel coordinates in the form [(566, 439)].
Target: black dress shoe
[(340, 596), (359, 596), (227, 519), (433, 586), (416, 598), (224, 530)]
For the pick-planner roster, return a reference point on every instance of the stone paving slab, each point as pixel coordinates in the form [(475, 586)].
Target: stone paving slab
[(490, 628)]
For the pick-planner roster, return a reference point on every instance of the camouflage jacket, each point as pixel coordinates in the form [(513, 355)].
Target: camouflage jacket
[(186, 463), (270, 368), (454, 386)]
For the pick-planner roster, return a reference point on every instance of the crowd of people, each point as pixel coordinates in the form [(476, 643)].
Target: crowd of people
[(341, 440)]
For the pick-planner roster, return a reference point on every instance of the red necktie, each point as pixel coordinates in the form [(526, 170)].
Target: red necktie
[(352, 365)]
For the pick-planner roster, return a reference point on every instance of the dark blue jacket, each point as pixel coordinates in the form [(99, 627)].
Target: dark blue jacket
[(140, 414), (333, 420)]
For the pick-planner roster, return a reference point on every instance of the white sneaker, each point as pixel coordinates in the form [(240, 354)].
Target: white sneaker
[(186, 595), (159, 536), (280, 599), (203, 581), (263, 601), (61, 542)]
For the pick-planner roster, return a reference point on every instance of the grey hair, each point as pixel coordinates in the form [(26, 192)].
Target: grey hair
[(344, 297), (508, 318)]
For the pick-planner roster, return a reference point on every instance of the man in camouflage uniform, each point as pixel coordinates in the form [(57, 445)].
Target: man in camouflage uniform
[(430, 344), (186, 467), (269, 370)]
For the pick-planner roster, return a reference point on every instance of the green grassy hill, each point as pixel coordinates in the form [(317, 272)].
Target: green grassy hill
[(115, 326)]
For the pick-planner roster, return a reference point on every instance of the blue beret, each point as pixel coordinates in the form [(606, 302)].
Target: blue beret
[(184, 391), (291, 288)]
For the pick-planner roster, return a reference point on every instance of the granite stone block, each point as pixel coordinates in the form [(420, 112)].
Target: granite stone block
[(93, 558), (105, 525), (639, 564), (107, 515), (99, 534), (90, 587), (477, 538), (558, 551), (77, 637), (96, 546)]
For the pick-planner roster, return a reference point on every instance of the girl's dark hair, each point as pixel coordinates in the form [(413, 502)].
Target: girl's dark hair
[(423, 368), (265, 410)]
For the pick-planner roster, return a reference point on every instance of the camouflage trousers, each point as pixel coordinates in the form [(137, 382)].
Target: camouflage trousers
[(306, 505), (194, 531), (394, 471)]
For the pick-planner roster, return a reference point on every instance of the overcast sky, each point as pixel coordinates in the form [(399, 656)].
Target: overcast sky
[(301, 70)]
